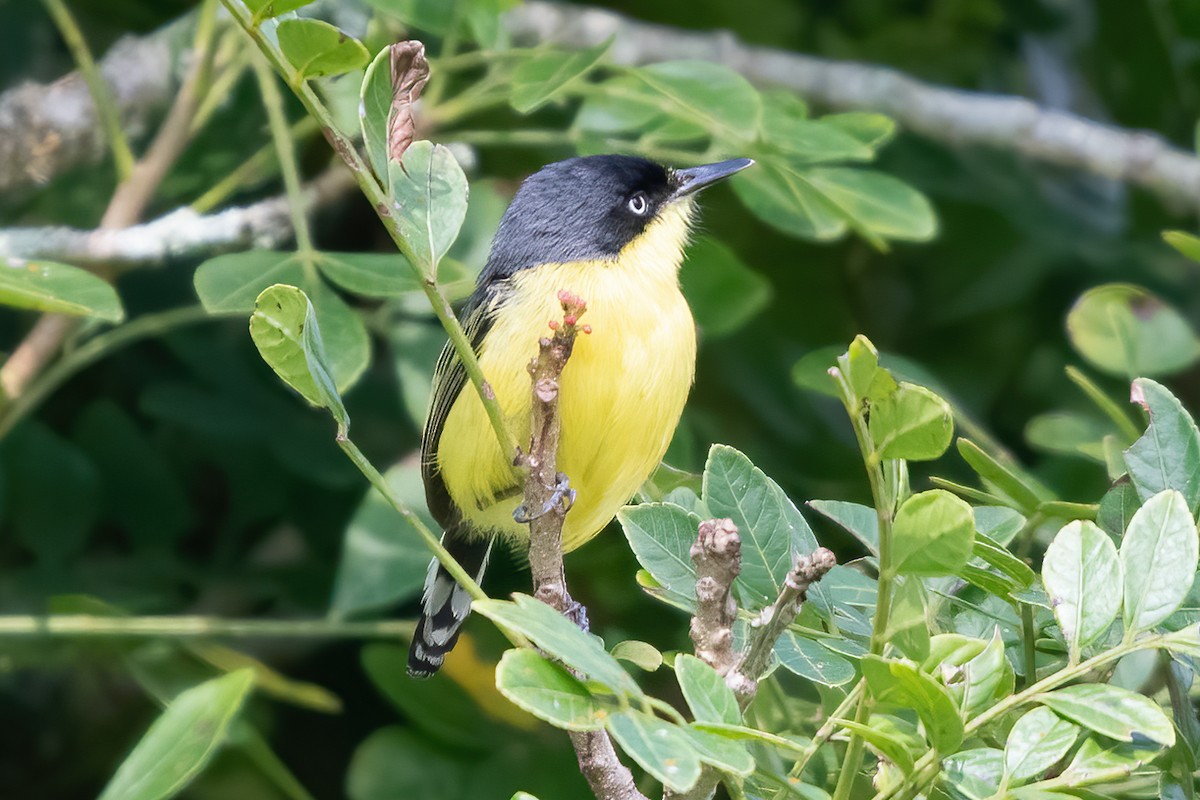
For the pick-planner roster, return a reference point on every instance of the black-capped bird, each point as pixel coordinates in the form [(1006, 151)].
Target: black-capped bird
[(611, 229)]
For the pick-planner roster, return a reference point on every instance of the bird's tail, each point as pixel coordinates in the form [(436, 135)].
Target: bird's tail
[(445, 605)]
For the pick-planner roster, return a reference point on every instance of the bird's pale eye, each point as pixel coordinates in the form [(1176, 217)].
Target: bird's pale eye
[(638, 204)]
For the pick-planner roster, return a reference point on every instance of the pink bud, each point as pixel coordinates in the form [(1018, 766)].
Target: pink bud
[(553, 324), (586, 329), (570, 319)]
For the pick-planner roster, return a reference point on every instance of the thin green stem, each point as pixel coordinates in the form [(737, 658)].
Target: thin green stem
[(378, 198), (1029, 643), (88, 626), (282, 137), (827, 729), (258, 167), (885, 503), (91, 351), (106, 107), (927, 768), (432, 541), (1120, 418)]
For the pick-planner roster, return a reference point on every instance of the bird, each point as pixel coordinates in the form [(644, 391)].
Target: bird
[(612, 229)]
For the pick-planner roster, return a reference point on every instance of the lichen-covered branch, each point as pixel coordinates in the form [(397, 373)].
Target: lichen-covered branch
[(183, 233), (950, 116), (717, 555)]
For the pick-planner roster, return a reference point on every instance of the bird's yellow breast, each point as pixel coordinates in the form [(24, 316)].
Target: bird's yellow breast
[(620, 395)]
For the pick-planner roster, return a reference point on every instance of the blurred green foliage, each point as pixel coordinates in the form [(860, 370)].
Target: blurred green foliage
[(177, 475)]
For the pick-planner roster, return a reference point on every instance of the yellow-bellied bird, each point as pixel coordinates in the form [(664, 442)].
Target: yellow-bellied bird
[(611, 229)]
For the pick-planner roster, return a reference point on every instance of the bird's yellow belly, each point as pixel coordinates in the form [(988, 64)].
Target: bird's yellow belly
[(620, 396)]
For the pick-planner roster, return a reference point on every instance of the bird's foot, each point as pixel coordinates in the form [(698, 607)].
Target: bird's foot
[(577, 613), (562, 497)]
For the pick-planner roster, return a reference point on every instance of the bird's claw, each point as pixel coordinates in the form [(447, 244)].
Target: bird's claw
[(577, 613), (562, 497)]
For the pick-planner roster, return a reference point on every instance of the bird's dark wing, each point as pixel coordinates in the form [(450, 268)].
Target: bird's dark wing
[(449, 379)]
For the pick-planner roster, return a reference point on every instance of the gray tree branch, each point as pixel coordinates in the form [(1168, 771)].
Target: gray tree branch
[(181, 234), (951, 117)]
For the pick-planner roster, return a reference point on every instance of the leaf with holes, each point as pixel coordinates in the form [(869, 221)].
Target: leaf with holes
[(317, 48)]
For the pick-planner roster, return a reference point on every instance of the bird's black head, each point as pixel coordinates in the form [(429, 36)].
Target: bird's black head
[(589, 208)]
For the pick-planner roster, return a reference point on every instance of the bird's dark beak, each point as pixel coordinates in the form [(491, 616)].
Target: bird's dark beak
[(691, 180)]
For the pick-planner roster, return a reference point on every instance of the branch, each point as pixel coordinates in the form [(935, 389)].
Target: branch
[(949, 116), (547, 500), (717, 555), (181, 234)]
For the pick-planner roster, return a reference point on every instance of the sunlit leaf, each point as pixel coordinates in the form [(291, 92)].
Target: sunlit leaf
[(1082, 575), (428, 191), (1037, 742), (710, 93), (317, 48), (875, 203), (1128, 332), (900, 683), (660, 748), (1158, 559), (1167, 456), (1112, 711), (934, 533), (810, 660), (911, 423), (706, 693), (60, 288)]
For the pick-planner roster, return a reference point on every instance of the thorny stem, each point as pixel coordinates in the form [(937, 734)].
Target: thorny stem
[(281, 136), (106, 108), (378, 198)]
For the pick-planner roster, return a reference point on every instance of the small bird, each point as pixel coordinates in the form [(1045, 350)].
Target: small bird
[(611, 229)]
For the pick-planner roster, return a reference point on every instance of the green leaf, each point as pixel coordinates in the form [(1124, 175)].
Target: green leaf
[(1111, 711), (772, 531), (561, 638), (660, 748), (713, 95), (975, 774), (641, 655), (741, 733), (858, 520), (623, 104), (876, 204), (911, 423), (724, 294), (999, 475), (1158, 560), (706, 693), (1000, 559), (787, 129), (902, 684), (661, 536), (317, 48), (1094, 756), (1037, 742), (1117, 507), (285, 330), (181, 741), (810, 660), (432, 16), (400, 762), (547, 691), (374, 109), (230, 284), (1167, 456), (383, 560), (428, 191), (59, 288), (1068, 432), (933, 534), (872, 130), (1082, 576), (543, 78), (782, 197), (1185, 243), (908, 628), (369, 274), (40, 470), (892, 747), (1126, 331), (266, 9), (720, 752), (868, 381), (987, 678)]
